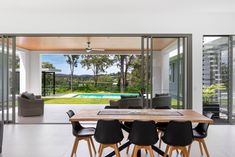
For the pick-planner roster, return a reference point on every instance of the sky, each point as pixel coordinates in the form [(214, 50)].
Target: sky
[(59, 62)]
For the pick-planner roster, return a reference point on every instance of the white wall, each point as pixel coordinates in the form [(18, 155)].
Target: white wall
[(133, 16), (35, 74), (24, 71), (157, 72), (30, 72)]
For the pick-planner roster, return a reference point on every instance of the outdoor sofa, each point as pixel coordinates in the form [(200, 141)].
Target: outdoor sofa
[(30, 105)]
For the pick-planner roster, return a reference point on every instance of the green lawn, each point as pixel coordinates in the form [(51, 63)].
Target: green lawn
[(76, 101), (86, 101)]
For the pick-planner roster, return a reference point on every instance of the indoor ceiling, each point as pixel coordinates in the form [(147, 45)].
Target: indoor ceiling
[(80, 43)]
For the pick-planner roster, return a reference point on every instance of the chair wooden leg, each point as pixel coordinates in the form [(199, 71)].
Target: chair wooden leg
[(75, 145), (151, 151), (101, 150), (186, 152), (146, 151), (170, 153), (116, 150), (205, 147), (166, 151), (127, 149), (135, 151), (146, 148), (182, 150), (89, 146), (160, 139), (92, 143), (200, 145), (189, 149)]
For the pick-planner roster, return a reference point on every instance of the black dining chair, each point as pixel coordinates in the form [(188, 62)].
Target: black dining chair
[(128, 125), (200, 134), (161, 126), (108, 133), (81, 133), (143, 135), (178, 136)]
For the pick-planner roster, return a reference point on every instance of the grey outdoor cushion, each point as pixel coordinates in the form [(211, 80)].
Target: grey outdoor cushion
[(161, 101), (127, 102), (129, 96), (161, 94), (29, 96)]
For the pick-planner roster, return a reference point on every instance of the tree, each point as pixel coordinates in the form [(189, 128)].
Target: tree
[(72, 60), (97, 63), (124, 62), (47, 65)]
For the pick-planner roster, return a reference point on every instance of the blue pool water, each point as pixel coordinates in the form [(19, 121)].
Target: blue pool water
[(105, 95)]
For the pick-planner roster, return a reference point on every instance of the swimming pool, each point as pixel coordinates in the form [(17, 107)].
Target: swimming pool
[(104, 95)]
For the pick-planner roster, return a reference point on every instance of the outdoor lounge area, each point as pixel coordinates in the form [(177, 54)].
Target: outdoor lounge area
[(126, 78)]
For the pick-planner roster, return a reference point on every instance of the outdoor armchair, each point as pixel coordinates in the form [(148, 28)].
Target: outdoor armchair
[(30, 107), (127, 102)]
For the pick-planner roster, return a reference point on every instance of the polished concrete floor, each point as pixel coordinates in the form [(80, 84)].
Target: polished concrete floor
[(57, 140), (55, 113)]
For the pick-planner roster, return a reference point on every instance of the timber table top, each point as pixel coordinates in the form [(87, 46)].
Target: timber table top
[(140, 114)]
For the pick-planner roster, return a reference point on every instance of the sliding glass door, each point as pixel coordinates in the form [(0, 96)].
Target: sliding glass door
[(232, 112), (219, 77), (7, 79), (164, 70)]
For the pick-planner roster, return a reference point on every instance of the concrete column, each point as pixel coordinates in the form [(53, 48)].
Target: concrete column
[(157, 72), (197, 72), (30, 72), (35, 73), (165, 72), (24, 71)]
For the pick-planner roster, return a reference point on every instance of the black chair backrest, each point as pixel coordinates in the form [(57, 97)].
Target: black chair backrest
[(143, 133), (76, 125), (108, 132), (111, 107), (203, 127), (178, 133)]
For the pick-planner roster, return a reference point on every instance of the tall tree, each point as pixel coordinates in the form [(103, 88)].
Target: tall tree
[(72, 60), (97, 63), (47, 65), (124, 62)]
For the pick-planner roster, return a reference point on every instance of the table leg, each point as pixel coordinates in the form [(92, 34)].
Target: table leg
[(125, 145), (159, 151)]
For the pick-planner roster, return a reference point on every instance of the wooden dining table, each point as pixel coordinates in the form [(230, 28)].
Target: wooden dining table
[(129, 115)]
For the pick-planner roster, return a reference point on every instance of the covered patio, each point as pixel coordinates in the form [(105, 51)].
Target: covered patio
[(164, 74)]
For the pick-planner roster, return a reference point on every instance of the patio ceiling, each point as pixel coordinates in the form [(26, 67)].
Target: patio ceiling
[(80, 43)]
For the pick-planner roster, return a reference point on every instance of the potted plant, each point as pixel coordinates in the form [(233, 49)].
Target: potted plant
[(208, 104)]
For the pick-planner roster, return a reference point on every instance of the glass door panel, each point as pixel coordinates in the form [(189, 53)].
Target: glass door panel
[(7, 71), (168, 72), (146, 71), (233, 73), (216, 76)]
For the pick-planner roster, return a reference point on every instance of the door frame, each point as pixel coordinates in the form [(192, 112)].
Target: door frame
[(189, 77), (187, 57), (231, 38), (6, 117)]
